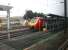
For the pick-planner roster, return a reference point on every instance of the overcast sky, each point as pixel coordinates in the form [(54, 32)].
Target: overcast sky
[(20, 6)]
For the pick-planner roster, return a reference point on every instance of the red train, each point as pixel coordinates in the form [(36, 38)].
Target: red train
[(38, 23)]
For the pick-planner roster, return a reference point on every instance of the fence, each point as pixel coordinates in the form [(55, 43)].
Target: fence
[(55, 23)]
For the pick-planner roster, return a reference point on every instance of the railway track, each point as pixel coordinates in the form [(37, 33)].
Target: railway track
[(22, 42), (26, 40), (14, 33)]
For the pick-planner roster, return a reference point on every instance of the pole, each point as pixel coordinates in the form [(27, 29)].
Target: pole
[(65, 14), (65, 21), (8, 23)]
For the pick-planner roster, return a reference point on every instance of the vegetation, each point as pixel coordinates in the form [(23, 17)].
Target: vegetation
[(30, 14)]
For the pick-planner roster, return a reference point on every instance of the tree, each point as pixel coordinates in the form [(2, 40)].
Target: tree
[(39, 14), (28, 14)]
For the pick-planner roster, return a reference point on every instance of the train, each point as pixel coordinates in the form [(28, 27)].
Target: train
[(38, 23)]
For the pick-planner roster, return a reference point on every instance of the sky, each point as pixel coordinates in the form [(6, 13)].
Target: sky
[(20, 6)]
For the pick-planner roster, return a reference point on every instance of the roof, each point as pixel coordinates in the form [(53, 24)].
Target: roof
[(5, 8)]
